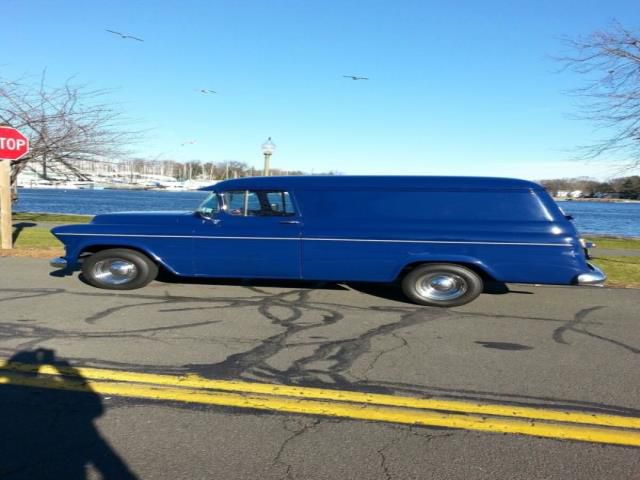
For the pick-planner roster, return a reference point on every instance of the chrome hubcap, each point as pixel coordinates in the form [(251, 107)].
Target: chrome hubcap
[(441, 286), (115, 271)]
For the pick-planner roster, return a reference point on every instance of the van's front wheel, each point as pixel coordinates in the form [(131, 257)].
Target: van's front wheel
[(442, 285), (119, 269)]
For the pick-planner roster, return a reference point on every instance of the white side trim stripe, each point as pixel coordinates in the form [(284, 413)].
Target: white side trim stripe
[(317, 239), (175, 236), (437, 241)]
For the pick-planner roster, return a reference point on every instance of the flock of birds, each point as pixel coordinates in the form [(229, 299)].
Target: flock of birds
[(202, 91), (206, 91)]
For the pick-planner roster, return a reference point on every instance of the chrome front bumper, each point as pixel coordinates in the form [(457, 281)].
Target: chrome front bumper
[(58, 262), (594, 277)]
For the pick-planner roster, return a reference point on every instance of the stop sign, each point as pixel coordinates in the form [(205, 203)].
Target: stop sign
[(13, 144)]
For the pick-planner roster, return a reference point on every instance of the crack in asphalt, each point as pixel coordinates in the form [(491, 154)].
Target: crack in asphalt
[(383, 458), (305, 426), (579, 317), (403, 344), (578, 321), (405, 433)]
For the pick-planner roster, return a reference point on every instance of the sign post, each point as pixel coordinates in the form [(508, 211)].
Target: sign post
[(13, 146), (5, 204)]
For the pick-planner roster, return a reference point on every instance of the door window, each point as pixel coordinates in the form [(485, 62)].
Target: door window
[(280, 202), (258, 203), (210, 206), (234, 202)]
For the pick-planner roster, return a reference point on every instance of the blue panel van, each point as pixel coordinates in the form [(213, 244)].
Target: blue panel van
[(441, 238)]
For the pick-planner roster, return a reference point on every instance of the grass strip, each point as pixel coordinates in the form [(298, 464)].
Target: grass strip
[(621, 271), (35, 237), (50, 217), (615, 243)]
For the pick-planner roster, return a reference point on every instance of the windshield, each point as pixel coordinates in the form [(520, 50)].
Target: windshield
[(210, 206)]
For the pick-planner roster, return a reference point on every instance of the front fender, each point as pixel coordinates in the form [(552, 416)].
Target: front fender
[(172, 252)]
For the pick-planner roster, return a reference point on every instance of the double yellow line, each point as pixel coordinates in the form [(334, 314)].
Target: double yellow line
[(540, 422)]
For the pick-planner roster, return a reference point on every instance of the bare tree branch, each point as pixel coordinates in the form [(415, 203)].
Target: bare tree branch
[(65, 124), (610, 63)]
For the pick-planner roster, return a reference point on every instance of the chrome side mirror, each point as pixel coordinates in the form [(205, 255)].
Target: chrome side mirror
[(205, 215)]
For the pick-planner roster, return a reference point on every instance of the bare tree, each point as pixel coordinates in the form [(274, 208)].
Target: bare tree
[(65, 124), (610, 63)]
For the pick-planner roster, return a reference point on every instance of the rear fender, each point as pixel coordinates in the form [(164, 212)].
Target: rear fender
[(473, 263)]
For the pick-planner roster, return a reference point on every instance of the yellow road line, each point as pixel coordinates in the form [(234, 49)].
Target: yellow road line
[(193, 381), (351, 410)]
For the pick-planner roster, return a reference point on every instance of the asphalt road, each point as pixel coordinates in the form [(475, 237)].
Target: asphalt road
[(550, 349)]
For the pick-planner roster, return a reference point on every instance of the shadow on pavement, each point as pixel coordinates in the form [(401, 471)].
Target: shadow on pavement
[(19, 227), (166, 277), (49, 433), (388, 291)]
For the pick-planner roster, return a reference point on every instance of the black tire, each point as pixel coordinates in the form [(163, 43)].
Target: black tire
[(442, 285), (119, 269)]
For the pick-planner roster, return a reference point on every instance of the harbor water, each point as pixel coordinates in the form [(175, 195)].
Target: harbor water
[(619, 219)]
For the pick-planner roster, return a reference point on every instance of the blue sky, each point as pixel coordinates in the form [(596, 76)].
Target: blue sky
[(459, 88)]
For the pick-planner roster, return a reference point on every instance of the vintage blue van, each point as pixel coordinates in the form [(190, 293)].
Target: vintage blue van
[(441, 238)]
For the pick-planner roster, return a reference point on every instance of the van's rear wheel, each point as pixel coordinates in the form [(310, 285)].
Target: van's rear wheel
[(119, 269), (442, 285)]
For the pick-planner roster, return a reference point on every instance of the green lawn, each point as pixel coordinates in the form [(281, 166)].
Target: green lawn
[(35, 237), (51, 217), (621, 271)]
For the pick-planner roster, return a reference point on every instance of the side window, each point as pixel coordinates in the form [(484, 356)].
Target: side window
[(280, 203), (234, 202), (210, 206), (253, 204), (259, 203)]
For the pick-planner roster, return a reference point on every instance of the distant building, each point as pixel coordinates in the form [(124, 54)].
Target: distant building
[(562, 193), (576, 194)]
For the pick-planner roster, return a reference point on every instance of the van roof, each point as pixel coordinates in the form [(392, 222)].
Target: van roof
[(377, 182)]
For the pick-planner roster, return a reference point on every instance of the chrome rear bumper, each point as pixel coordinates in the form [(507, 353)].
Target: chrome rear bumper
[(594, 277), (58, 262)]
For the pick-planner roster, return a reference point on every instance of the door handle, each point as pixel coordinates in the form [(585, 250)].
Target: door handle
[(216, 221), (290, 222)]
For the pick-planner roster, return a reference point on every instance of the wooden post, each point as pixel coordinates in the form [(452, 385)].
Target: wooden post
[(6, 234)]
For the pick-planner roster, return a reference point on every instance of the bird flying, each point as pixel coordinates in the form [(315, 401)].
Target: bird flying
[(125, 36), (355, 77), (205, 91)]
